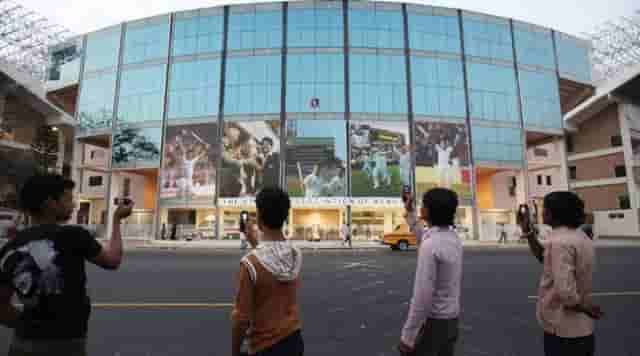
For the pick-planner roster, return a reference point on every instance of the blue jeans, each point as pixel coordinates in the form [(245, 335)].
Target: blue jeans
[(292, 345)]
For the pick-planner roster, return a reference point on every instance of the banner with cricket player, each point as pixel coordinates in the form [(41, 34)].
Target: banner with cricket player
[(189, 167), (380, 158), (316, 158), (250, 157), (442, 158)]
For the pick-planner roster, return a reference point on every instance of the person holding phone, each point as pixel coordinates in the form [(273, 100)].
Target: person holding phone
[(267, 297), (44, 266), (565, 308)]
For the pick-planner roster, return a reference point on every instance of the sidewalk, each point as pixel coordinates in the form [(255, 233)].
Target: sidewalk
[(337, 245)]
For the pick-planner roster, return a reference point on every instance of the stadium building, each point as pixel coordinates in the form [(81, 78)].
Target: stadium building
[(342, 103)]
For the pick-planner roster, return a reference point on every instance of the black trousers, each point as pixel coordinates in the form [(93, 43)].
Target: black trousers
[(437, 338), (292, 345), (561, 346)]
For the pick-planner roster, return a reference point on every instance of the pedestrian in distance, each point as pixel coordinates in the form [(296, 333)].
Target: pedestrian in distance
[(502, 235), (266, 302), (163, 231), (431, 328), (565, 309), (44, 266), (346, 234)]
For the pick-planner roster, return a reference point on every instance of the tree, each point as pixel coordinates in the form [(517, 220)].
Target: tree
[(129, 145)]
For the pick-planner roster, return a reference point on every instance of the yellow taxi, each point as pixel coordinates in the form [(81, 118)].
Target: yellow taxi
[(400, 239)]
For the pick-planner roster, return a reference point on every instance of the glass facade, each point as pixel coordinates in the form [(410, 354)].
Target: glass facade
[(315, 83), (434, 30), (378, 84), (327, 115), (95, 104), (253, 85), (141, 96), (573, 58), (194, 89), (376, 26), (198, 32), (146, 40), (254, 27)]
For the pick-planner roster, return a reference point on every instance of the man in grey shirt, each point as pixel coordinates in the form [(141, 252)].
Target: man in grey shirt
[(431, 328)]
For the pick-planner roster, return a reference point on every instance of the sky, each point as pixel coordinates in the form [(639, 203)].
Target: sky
[(571, 16)]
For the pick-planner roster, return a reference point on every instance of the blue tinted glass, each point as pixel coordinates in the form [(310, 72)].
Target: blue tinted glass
[(95, 104), (492, 92), (102, 50), (534, 47), (141, 95), (143, 42), (573, 59), (198, 34), (315, 83), (255, 30), (378, 84), (253, 85), (434, 33), (438, 87), (497, 144), (484, 37), (540, 99), (315, 27), (376, 28), (194, 89)]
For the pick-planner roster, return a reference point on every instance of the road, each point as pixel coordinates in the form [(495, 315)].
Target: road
[(353, 303)]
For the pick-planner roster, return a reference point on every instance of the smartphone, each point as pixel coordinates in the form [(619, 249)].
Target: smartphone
[(244, 220), (406, 193), (122, 201)]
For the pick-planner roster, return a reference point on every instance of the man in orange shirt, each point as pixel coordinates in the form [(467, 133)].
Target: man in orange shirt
[(266, 308)]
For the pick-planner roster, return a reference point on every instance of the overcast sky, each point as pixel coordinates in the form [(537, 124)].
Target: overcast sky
[(571, 16)]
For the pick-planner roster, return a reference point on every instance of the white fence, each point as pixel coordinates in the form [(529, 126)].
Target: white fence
[(616, 223)]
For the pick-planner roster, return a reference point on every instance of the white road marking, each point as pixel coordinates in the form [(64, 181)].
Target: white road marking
[(158, 305)]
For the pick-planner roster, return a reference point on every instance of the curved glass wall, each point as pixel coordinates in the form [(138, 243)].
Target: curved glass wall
[(325, 114)]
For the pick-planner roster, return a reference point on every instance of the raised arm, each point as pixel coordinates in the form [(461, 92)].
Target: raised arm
[(110, 257)]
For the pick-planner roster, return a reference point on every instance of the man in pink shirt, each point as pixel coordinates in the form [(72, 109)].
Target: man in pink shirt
[(431, 328), (565, 309)]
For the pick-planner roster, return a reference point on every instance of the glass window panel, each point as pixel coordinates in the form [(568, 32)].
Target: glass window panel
[(435, 33), (194, 89), (141, 95), (377, 80), (540, 99), (492, 92), (316, 158), (251, 157), (573, 58), (137, 147), (198, 34), (376, 28), (95, 106), (496, 144), (534, 46), (249, 76), (315, 27), (255, 29), (438, 87), (102, 50), (144, 42), (487, 37)]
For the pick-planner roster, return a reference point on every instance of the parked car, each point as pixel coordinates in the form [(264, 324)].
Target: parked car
[(400, 239)]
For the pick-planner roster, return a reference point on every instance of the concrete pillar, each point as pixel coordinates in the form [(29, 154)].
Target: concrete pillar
[(61, 150), (564, 166), (3, 103)]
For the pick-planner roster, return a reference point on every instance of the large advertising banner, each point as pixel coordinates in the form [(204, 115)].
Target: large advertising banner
[(632, 115), (380, 158), (442, 158), (316, 158), (250, 158), (137, 147), (189, 167)]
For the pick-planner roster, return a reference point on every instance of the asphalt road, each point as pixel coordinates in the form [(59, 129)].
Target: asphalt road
[(353, 303)]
